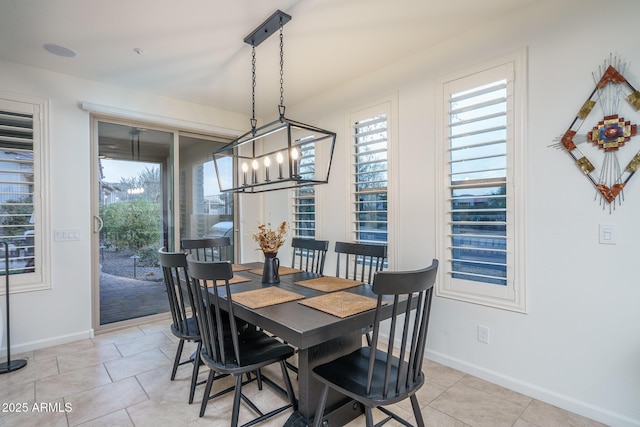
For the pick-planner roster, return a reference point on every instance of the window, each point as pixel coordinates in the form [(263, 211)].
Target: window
[(21, 157), (304, 198), (370, 168), (482, 217)]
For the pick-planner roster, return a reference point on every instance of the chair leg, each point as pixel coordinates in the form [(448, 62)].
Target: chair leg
[(259, 379), (236, 402), (287, 383), (416, 411), (317, 421), (194, 374), (207, 391), (369, 415), (176, 361)]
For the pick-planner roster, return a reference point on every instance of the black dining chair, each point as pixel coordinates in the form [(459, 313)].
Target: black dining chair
[(309, 254), (224, 349), (359, 261), (185, 324), (208, 249), (381, 375), (211, 249)]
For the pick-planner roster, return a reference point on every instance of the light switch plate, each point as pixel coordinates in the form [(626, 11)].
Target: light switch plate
[(60, 235)]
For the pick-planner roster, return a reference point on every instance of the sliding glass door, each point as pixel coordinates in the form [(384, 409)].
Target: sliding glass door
[(139, 170)]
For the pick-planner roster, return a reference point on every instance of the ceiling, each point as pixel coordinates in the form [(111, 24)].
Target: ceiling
[(194, 50)]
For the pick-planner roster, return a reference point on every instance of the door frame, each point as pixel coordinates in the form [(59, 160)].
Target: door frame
[(128, 118)]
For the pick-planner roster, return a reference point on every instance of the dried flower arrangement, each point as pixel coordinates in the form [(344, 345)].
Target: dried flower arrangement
[(268, 239)]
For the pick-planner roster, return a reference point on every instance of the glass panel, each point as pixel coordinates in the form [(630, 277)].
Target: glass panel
[(480, 136), (498, 148), (133, 206), (207, 212)]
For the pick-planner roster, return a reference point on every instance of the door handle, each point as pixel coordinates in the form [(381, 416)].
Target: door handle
[(99, 222)]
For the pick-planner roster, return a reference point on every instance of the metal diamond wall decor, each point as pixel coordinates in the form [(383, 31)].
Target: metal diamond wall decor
[(608, 135)]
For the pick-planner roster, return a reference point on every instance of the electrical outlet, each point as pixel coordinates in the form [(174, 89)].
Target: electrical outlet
[(607, 234), (483, 334)]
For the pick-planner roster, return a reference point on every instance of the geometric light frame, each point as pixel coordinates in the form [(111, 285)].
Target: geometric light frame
[(274, 158)]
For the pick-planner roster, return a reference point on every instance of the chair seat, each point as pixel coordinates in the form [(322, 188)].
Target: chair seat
[(191, 325), (257, 349), (349, 375)]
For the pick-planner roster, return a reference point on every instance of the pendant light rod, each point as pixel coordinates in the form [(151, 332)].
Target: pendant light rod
[(267, 28)]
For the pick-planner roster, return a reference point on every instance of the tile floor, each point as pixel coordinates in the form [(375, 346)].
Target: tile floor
[(122, 379)]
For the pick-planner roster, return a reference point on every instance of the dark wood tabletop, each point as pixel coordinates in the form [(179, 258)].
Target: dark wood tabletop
[(295, 323)]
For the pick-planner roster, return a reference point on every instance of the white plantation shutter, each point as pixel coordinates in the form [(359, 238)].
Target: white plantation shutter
[(370, 148), (480, 204), (304, 198), (20, 200), (478, 183)]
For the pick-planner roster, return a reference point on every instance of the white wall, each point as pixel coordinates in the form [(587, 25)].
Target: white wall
[(579, 344), (63, 313)]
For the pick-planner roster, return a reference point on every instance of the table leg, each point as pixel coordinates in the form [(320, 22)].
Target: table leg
[(342, 408)]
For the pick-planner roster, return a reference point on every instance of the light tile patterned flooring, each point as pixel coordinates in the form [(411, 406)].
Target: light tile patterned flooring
[(122, 379)]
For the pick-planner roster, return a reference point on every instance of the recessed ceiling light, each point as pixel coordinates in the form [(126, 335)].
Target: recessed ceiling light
[(59, 50)]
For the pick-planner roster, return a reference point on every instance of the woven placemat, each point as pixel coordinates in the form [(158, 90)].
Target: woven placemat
[(237, 267), (234, 279), (329, 284), (341, 304), (265, 297), (281, 271)]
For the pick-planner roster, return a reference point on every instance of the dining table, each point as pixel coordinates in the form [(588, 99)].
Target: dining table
[(322, 316)]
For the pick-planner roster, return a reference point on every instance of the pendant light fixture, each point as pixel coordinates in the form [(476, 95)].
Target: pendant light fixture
[(278, 155)]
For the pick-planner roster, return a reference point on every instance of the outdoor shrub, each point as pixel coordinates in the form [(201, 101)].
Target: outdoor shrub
[(131, 224), (148, 256)]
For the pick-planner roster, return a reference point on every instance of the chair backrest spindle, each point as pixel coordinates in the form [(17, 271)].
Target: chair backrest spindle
[(217, 321), (176, 278), (361, 261), (309, 254), (407, 330), (208, 249)]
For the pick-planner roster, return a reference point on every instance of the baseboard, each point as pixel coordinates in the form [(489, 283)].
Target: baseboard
[(548, 396), (49, 342)]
